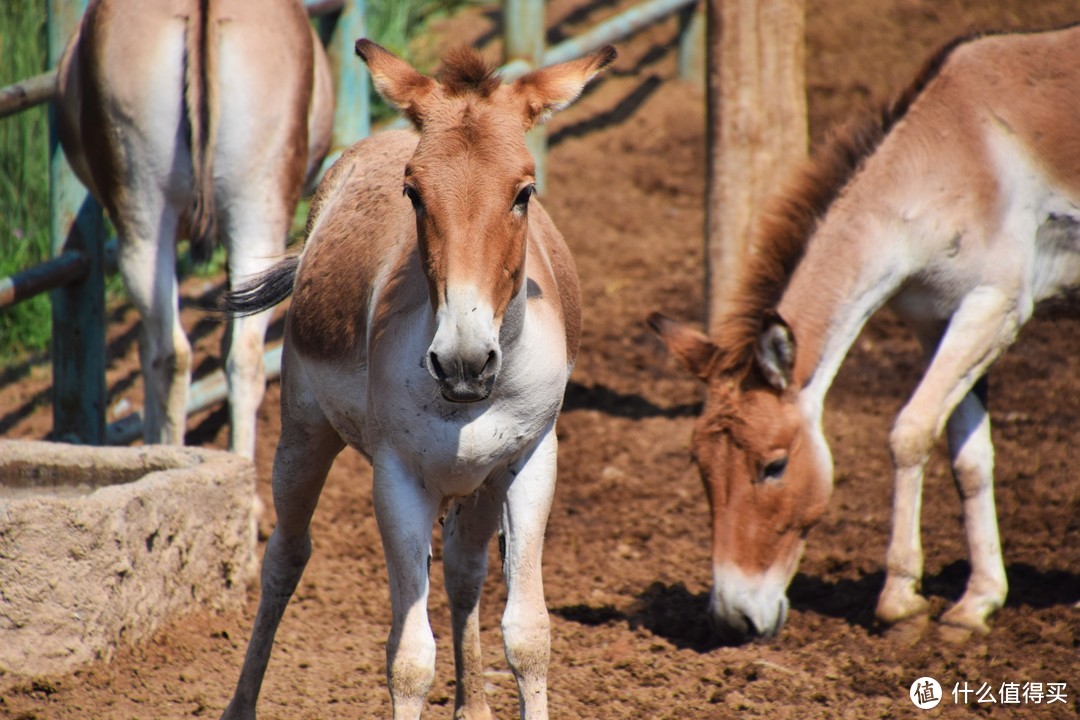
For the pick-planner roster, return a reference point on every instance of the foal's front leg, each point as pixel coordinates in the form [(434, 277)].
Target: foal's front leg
[(973, 469), (467, 532), (304, 455), (981, 329), (525, 626), (406, 511)]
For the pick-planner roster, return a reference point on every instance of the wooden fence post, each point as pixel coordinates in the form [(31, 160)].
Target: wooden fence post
[(523, 36), (78, 309), (756, 127)]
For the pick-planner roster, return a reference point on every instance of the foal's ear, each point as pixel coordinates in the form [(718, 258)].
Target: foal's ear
[(689, 346), (775, 352), (551, 89), (396, 80)]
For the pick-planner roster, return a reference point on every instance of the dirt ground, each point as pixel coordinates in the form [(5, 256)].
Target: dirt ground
[(627, 553)]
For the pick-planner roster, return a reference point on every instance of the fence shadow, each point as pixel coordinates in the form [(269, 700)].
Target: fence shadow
[(618, 114), (618, 404)]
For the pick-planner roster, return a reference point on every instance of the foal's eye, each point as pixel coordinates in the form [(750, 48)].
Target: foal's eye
[(774, 470), (521, 202), (414, 197)]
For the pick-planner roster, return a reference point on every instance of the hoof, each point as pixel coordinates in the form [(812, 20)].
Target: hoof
[(896, 608), (966, 619)]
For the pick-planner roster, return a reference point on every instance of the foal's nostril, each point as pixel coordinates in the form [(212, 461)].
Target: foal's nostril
[(752, 629), (489, 366), (436, 367)]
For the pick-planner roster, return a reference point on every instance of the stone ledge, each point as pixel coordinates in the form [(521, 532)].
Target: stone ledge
[(100, 546)]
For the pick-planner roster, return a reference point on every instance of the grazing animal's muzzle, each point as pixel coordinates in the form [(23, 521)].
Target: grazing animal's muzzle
[(742, 608), (465, 377)]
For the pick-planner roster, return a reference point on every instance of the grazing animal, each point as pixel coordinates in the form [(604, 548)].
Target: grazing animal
[(960, 208), (195, 118), (434, 322)]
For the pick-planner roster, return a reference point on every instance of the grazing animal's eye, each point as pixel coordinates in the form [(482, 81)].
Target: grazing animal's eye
[(521, 202), (414, 197), (774, 470)]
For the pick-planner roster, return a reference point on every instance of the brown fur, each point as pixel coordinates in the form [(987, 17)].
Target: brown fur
[(465, 71)]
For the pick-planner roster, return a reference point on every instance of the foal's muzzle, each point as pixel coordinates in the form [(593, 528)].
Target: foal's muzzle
[(742, 608), (465, 377)]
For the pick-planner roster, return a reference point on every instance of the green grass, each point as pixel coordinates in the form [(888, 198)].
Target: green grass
[(24, 177), (24, 187)]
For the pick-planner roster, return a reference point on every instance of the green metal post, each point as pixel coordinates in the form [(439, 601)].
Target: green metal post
[(78, 309), (692, 43), (523, 35), (352, 113)]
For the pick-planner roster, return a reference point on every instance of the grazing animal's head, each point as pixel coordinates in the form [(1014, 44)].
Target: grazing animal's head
[(470, 182), (766, 468)]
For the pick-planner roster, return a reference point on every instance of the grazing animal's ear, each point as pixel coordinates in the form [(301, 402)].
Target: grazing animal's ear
[(551, 89), (689, 346), (396, 80), (775, 352)]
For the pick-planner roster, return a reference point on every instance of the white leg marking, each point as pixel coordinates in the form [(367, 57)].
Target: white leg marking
[(525, 624), (467, 533), (406, 512), (148, 268), (973, 467)]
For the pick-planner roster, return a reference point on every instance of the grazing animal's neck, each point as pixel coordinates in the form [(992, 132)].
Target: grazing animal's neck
[(839, 284)]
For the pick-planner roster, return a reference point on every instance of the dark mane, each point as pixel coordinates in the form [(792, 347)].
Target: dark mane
[(465, 71), (789, 219)]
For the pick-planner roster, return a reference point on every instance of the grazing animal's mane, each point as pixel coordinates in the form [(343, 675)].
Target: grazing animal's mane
[(790, 218), (466, 71)]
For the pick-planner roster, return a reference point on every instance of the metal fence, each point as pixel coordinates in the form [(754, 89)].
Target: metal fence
[(82, 255)]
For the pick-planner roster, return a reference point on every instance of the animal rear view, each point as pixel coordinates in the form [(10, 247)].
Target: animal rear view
[(198, 119), (434, 322)]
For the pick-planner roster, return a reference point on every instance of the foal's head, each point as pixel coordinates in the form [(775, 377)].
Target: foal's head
[(766, 469), (470, 182)]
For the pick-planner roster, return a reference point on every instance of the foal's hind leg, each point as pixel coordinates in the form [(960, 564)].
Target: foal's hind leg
[(983, 326), (307, 448), (972, 455), (469, 526)]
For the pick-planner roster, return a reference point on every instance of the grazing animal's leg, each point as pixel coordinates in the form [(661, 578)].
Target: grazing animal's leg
[(147, 237), (972, 455), (305, 452), (525, 624), (406, 511), (467, 533), (981, 329)]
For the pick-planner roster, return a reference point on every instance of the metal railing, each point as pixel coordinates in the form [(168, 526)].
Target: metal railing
[(82, 255)]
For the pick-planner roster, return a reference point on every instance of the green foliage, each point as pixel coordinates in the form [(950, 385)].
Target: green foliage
[(24, 177), (394, 24)]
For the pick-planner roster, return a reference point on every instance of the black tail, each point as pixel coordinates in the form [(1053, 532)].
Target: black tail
[(262, 292)]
